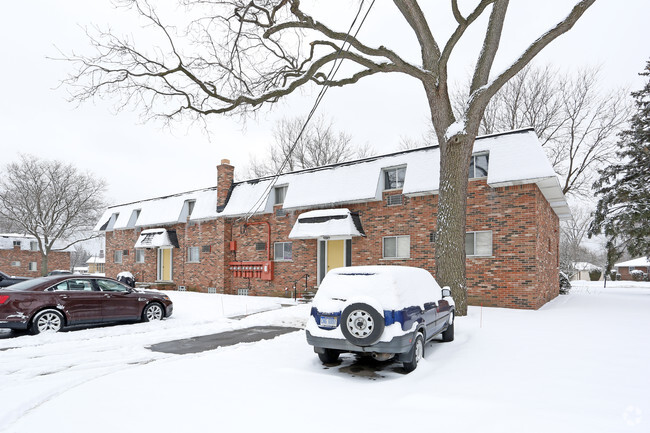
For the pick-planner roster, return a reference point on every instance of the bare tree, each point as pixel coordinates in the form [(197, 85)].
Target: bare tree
[(577, 123), (51, 201), (572, 234), (79, 256), (319, 144), (240, 55)]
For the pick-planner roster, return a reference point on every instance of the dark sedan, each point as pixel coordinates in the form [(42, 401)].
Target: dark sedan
[(56, 302), (8, 280)]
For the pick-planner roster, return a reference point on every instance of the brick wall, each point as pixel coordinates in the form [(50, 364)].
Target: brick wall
[(522, 271), (56, 260)]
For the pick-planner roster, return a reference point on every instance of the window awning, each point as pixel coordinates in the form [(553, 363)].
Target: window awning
[(329, 223), (157, 238)]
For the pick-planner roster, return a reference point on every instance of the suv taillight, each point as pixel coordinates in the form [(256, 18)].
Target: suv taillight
[(3, 299)]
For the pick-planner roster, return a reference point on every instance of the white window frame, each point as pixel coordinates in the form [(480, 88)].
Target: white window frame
[(284, 252), (33, 245), (117, 256), (475, 235), (276, 190), (385, 173), (15, 264), (33, 266), (193, 255), (397, 256), (18, 244), (139, 255), (473, 165)]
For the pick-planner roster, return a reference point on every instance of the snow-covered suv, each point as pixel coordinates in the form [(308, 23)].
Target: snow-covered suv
[(383, 311)]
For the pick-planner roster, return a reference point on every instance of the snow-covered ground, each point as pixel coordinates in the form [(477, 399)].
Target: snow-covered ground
[(580, 364)]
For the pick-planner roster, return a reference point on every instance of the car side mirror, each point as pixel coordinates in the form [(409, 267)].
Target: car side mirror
[(446, 292)]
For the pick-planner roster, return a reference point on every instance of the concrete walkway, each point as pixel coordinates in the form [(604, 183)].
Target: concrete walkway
[(213, 341)]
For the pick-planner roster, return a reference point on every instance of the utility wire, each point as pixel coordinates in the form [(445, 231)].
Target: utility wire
[(333, 70)]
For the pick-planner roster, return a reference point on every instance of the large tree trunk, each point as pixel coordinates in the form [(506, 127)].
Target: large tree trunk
[(44, 264), (455, 156)]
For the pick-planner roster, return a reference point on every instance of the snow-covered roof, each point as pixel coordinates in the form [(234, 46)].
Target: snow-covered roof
[(7, 242), (96, 259), (153, 238), (641, 261), (515, 158), (585, 266), (333, 223)]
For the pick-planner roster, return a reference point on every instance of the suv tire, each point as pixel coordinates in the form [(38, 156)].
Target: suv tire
[(448, 334), (361, 324), (417, 353)]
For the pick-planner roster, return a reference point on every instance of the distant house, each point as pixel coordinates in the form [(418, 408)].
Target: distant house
[(266, 236), (582, 270), (19, 255), (96, 265), (626, 269)]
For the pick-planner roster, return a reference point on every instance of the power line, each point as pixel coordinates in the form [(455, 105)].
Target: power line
[(333, 70)]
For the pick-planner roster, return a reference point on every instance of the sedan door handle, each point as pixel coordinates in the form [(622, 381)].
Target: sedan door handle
[(64, 296), (107, 295)]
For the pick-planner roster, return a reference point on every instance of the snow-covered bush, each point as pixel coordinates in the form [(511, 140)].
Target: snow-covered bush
[(594, 274), (638, 275)]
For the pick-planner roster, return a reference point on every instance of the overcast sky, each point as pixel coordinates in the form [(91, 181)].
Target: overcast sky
[(146, 160)]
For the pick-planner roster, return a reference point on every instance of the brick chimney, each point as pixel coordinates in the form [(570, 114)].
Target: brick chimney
[(225, 174)]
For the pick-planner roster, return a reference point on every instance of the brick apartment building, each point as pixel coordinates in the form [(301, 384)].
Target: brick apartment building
[(19, 256), (265, 236)]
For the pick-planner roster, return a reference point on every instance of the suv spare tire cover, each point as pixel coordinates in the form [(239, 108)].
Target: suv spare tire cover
[(361, 324)]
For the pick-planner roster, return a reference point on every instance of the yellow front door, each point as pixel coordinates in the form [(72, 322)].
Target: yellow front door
[(165, 264), (335, 254)]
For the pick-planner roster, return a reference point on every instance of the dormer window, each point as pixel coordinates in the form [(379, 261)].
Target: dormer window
[(280, 192), (186, 212), (111, 222), (394, 178), (478, 166), (134, 218)]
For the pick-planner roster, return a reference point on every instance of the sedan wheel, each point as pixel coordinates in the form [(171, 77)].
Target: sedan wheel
[(47, 321), (153, 312)]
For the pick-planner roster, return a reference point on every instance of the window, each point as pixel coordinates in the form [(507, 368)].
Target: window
[(125, 252), (16, 264), (74, 285), (280, 193), (33, 266), (117, 256), (260, 246), (111, 286), (193, 254), (397, 247), (242, 292), (478, 166), (394, 200), (394, 178), (17, 244), (111, 222), (33, 246), (282, 251), (186, 211), (206, 248), (134, 218), (478, 244), (139, 256)]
